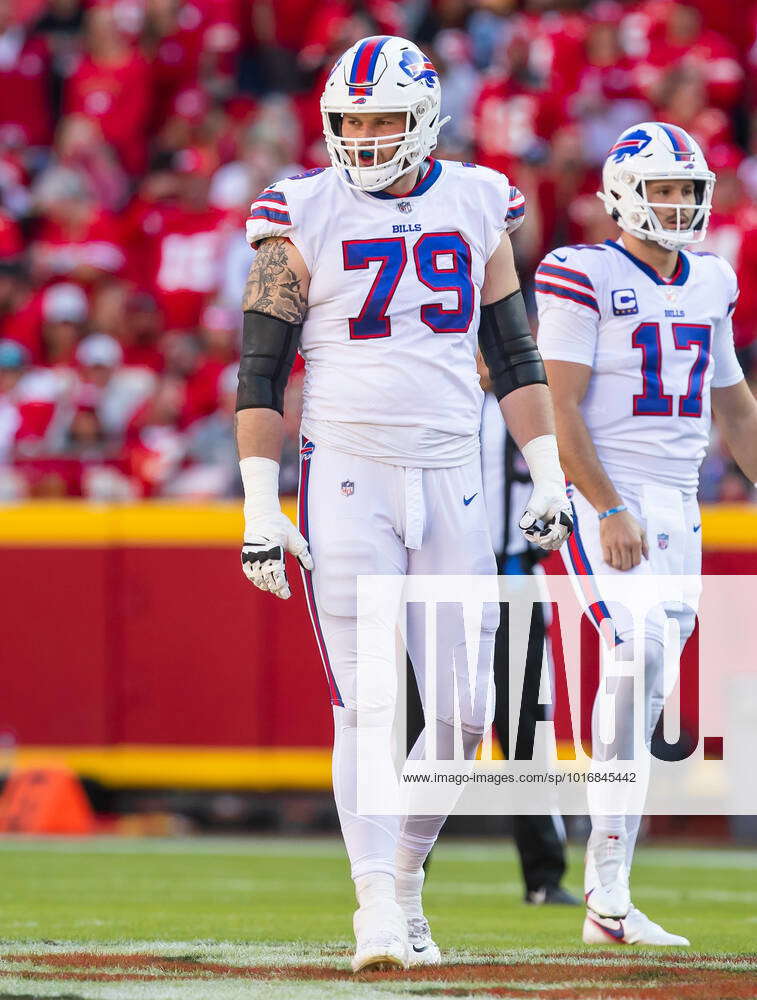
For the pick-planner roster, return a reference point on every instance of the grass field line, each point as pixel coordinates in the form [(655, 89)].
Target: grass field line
[(331, 847), (334, 955)]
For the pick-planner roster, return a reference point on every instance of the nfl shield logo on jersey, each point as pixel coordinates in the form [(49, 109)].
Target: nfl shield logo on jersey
[(662, 540), (404, 206), (348, 487)]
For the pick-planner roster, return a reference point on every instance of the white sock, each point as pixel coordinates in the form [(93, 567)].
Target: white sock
[(632, 832), (374, 888), (410, 878), (607, 854)]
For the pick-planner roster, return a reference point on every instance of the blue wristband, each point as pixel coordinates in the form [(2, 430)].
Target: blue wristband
[(612, 510)]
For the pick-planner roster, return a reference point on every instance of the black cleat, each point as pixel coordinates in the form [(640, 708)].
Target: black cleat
[(551, 895)]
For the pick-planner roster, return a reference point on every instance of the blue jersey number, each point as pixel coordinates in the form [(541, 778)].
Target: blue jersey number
[(442, 263), (392, 256), (653, 401)]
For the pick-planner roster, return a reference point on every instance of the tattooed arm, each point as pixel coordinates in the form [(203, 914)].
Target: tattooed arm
[(277, 285), (278, 281)]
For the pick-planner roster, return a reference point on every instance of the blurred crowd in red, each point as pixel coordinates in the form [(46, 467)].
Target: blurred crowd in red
[(135, 133)]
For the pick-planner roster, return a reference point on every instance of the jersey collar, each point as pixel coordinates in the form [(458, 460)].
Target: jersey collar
[(679, 276), (428, 178)]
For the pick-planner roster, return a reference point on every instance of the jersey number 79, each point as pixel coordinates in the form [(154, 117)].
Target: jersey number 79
[(391, 255)]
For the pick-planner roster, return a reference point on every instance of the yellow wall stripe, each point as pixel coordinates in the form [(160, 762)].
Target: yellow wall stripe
[(132, 766), (76, 523)]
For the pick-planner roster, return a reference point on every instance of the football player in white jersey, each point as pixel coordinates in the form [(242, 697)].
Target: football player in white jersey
[(381, 270), (637, 340)]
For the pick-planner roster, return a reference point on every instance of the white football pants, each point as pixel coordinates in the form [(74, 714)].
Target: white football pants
[(360, 517), (672, 522)]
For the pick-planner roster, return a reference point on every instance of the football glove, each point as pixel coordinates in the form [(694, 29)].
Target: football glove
[(548, 517), (269, 534), (547, 520)]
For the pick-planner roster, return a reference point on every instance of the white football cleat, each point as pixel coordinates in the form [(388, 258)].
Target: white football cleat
[(634, 928), (381, 934), (606, 876), (423, 949)]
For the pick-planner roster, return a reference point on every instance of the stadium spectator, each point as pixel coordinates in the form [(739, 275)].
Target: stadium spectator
[(681, 40), (607, 98), (77, 240), (113, 85), (25, 118), (14, 362), (79, 145), (64, 316), (214, 469), (155, 445), (182, 241), (113, 392), (515, 114)]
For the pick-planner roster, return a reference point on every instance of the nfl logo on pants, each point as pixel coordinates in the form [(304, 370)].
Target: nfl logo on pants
[(662, 540), (348, 487)]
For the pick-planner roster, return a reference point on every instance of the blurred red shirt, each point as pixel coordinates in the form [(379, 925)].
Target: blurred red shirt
[(97, 244), (118, 96), (714, 56), (512, 122), (184, 260), (24, 93)]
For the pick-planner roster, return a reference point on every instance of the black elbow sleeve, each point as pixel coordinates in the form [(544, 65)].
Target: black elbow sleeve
[(269, 345), (508, 346)]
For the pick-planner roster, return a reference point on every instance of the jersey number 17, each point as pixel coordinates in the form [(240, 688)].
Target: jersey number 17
[(654, 401)]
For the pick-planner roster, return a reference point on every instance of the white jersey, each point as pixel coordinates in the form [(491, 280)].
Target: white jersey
[(390, 335), (656, 347)]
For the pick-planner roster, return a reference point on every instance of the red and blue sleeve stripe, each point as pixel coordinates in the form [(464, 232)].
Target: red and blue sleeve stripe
[(364, 65), (272, 206), (566, 273), (566, 283), (562, 292), (516, 208)]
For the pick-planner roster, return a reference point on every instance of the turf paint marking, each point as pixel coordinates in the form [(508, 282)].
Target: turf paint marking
[(562, 976)]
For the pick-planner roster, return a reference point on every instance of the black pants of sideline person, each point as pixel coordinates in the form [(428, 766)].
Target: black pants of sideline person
[(538, 839)]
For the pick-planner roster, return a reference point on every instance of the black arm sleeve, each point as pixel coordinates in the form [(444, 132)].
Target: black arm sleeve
[(508, 347), (269, 345)]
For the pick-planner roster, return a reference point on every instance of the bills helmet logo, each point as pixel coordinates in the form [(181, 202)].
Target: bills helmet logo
[(630, 144), (418, 68)]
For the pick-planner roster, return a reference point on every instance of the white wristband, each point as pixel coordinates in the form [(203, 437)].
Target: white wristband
[(543, 460), (260, 477)]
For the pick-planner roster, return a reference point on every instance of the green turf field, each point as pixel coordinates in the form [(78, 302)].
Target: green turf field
[(284, 904)]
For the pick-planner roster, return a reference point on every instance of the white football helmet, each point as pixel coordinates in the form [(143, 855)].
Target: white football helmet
[(649, 152), (381, 73)]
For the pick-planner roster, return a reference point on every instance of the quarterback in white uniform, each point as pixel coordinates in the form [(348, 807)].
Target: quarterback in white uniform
[(637, 339), (381, 270)]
